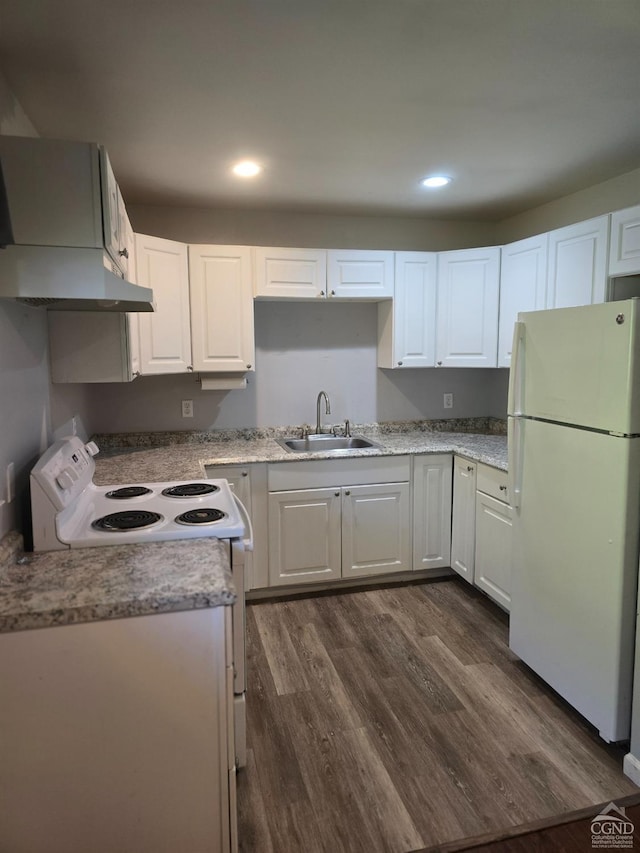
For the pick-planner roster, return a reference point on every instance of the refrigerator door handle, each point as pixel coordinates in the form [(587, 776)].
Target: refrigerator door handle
[(514, 444), (515, 373)]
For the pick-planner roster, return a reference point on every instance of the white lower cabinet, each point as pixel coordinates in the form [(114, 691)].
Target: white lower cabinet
[(375, 530), (493, 535), (493, 548), (345, 525), (127, 743), (249, 483), (305, 536), (432, 487), (463, 525)]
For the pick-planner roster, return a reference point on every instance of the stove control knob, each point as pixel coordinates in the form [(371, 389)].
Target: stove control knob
[(92, 448), (64, 479)]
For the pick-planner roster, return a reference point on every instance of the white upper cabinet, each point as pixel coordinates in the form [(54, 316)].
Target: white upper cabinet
[(165, 335), (624, 257), (523, 280), (222, 337), (407, 325), (578, 264), (115, 222), (359, 274), (467, 327), (290, 273)]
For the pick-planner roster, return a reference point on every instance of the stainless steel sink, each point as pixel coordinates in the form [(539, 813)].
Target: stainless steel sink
[(326, 443)]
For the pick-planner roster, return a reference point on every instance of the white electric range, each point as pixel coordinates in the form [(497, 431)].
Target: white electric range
[(70, 511)]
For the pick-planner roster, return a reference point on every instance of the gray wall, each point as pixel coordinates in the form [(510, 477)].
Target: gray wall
[(308, 230), (301, 349), (615, 194)]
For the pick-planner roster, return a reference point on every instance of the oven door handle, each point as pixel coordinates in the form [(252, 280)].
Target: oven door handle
[(247, 542)]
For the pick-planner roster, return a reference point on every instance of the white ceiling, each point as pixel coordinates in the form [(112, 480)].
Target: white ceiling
[(347, 103)]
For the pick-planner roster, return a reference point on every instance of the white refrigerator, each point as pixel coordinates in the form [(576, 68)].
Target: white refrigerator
[(574, 471)]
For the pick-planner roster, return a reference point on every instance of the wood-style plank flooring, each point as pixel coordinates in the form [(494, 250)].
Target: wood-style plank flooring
[(395, 719)]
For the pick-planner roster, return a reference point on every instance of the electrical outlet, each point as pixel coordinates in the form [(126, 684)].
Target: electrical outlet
[(448, 401), (187, 408)]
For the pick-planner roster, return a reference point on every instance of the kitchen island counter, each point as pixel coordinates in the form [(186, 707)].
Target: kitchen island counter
[(48, 588)]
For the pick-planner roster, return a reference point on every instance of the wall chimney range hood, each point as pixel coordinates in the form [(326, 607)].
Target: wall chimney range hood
[(64, 231)]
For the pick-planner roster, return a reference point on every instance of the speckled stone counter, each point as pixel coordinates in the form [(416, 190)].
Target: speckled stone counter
[(90, 584), (188, 460)]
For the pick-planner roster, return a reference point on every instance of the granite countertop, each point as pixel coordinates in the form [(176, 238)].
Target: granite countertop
[(40, 590), (90, 584), (145, 464)]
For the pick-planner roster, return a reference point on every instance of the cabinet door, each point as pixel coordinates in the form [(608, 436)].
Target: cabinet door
[(463, 525), (355, 274), (290, 273), (523, 281), (624, 258), (578, 264), (239, 478), (493, 548), (304, 536), (111, 201), (222, 336), (133, 328), (165, 334), (468, 285), (432, 486), (407, 324), (375, 530), (125, 234)]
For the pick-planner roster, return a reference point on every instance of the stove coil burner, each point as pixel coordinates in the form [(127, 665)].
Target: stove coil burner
[(190, 490), (204, 515), (128, 492), (134, 519)]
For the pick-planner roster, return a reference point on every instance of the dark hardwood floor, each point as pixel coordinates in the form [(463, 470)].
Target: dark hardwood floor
[(396, 719)]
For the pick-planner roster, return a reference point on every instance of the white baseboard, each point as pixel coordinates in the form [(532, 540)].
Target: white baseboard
[(631, 767)]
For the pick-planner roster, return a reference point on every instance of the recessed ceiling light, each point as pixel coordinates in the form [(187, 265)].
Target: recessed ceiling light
[(435, 181), (246, 169)]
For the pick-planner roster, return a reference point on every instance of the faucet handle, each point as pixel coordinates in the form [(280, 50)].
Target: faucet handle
[(305, 429)]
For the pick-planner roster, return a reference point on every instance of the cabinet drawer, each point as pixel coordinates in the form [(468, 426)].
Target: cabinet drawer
[(327, 473), (493, 482)]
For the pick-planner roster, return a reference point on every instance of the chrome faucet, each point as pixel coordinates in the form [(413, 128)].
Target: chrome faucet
[(327, 410)]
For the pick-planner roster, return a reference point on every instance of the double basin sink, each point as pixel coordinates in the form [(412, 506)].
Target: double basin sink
[(326, 443)]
